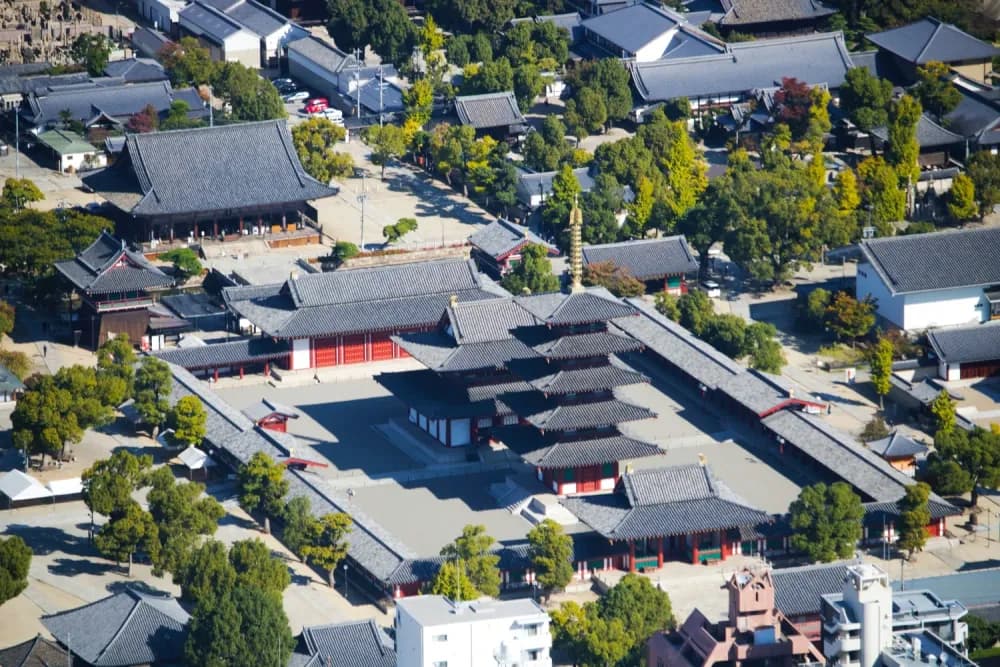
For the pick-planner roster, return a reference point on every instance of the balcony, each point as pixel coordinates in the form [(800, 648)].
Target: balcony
[(112, 305)]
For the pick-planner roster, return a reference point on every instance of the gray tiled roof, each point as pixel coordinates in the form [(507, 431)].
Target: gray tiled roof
[(135, 70), (220, 355), (747, 12), (530, 183), (665, 501), (210, 21), (961, 345), (129, 628), (257, 18), (974, 588), (36, 652), (543, 377), (502, 237), (94, 269), (435, 397), (118, 101), (976, 116), (815, 59), (321, 53), (936, 261), (763, 393), (897, 445), (559, 309), (267, 407), (931, 40), (860, 467), (548, 416), (929, 134), (207, 169), (487, 320), (797, 589), (488, 110), (350, 644), (439, 352), (647, 259), (545, 453), (147, 41), (679, 346), (577, 346), (637, 25)]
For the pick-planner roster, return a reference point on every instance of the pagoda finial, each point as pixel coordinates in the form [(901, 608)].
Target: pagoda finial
[(576, 247)]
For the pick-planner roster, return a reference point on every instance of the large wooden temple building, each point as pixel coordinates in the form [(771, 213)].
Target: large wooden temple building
[(115, 286), (212, 182)]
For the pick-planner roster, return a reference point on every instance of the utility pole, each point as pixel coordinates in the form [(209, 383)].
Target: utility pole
[(361, 200), (17, 141), (359, 55), (380, 104)]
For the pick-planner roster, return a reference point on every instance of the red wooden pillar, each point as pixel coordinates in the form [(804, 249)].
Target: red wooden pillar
[(267, 368), (631, 556), (241, 225), (171, 233), (694, 550), (241, 372), (723, 545), (216, 375), (215, 229), (659, 553), (195, 230)]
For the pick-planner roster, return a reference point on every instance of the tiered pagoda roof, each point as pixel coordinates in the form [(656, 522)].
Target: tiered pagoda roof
[(547, 358)]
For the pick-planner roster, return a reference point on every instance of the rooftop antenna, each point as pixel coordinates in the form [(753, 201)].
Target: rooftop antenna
[(576, 247)]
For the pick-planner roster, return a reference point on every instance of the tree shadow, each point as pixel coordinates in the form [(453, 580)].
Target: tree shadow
[(238, 521), (70, 567), (46, 540), (116, 587)]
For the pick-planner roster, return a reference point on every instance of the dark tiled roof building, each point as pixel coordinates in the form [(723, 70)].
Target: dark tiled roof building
[(969, 352), (37, 652), (498, 245), (116, 288), (536, 373), (350, 644), (930, 40), (490, 111), (665, 261), (166, 184)]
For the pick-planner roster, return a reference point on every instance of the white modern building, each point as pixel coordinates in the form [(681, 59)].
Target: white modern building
[(924, 281), (226, 39), (433, 631)]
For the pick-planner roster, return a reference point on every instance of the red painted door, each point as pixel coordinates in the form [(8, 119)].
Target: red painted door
[(354, 349), (589, 479), (326, 351), (381, 347)]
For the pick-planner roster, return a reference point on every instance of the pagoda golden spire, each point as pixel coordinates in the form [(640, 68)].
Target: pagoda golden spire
[(576, 247)]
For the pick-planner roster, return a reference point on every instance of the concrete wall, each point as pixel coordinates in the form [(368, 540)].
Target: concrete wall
[(924, 310), (869, 283), (318, 79), (300, 353)]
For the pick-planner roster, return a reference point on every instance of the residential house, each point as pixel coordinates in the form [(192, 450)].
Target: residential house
[(72, 152), (677, 513), (116, 288), (432, 630), (149, 42), (122, 630), (756, 633), (767, 18), (901, 451), (977, 117), (497, 247), (969, 352), (932, 280), (646, 33), (226, 39), (663, 264), (349, 316), (533, 188), (273, 31), (491, 113), (17, 82), (732, 75), (223, 180), (163, 15), (930, 40)]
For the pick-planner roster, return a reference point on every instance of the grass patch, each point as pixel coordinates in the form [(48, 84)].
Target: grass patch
[(986, 653), (841, 354)]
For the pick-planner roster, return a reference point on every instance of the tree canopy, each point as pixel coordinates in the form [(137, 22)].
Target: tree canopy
[(188, 418), (91, 50), (152, 389), (262, 485), (473, 549), (382, 24), (533, 274), (551, 553), (246, 627), (826, 521), (182, 513), (15, 559), (326, 541), (964, 462)]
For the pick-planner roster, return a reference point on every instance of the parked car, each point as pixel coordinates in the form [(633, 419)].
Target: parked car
[(319, 102), (280, 81), (316, 106), (297, 96), (287, 88), (336, 115), (712, 289)]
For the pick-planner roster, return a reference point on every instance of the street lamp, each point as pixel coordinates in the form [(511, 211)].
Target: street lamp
[(345, 583)]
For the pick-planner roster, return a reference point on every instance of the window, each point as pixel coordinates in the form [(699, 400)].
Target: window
[(440, 638), (531, 630), (535, 654), (440, 663)]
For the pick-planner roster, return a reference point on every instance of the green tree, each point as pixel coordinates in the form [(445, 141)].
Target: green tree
[(178, 117), (262, 487), (251, 97), (472, 16), (17, 192), (244, 628), (586, 113), (92, 409), (587, 638), (976, 454), (387, 143), (551, 553), (826, 521), (914, 516), (256, 566), (881, 194), (116, 359), (125, 533), (696, 310), (943, 409), (642, 607), (534, 274), (392, 35), (452, 582), (187, 418), (45, 419), (845, 193), (314, 140), (326, 544), (108, 485), (666, 305), (182, 513), (185, 263), (903, 149), (866, 98), (187, 62), (813, 313), (474, 549), (153, 381), (418, 100), (206, 574), (91, 50), (403, 226), (616, 279), (726, 332), (687, 173), (934, 89), (298, 524), (15, 560), (528, 84), (762, 347), (850, 318), (962, 199), (875, 429), (880, 366), (6, 318), (984, 170), (983, 634), (565, 192)]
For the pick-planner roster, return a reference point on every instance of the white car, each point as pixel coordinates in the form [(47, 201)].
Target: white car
[(712, 289), (332, 114), (297, 96)]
